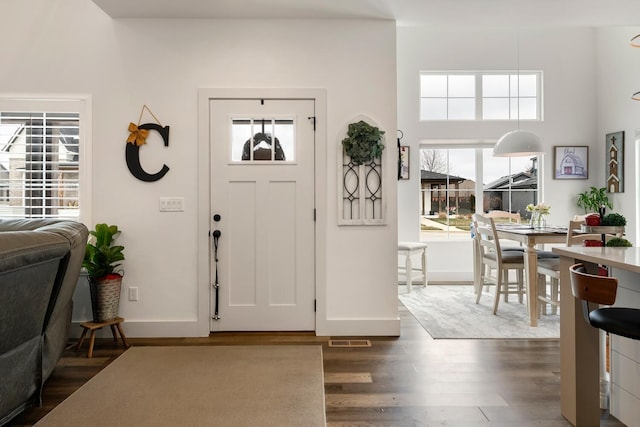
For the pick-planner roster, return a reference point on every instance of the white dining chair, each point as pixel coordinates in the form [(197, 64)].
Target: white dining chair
[(550, 267), (494, 263)]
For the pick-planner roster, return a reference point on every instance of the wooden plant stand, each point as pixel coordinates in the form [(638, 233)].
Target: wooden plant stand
[(94, 326)]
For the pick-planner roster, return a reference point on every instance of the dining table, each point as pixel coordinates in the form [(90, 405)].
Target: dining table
[(531, 238)]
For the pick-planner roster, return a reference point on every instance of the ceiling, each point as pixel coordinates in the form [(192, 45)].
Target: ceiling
[(447, 13)]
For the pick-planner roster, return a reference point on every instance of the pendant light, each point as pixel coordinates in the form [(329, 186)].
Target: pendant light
[(518, 142)]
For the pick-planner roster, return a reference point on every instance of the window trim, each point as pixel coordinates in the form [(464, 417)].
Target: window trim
[(81, 104)]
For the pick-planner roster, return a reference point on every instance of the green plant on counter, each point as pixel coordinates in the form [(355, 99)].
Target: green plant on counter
[(594, 199), (619, 242), (614, 219)]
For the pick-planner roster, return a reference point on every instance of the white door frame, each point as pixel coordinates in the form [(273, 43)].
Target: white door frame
[(204, 190)]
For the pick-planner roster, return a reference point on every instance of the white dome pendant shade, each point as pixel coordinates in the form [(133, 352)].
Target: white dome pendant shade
[(518, 143)]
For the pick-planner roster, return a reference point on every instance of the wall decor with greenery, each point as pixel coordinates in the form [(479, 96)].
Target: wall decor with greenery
[(361, 195)]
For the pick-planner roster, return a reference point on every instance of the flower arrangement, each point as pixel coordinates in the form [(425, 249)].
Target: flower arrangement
[(541, 208), (538, 213)]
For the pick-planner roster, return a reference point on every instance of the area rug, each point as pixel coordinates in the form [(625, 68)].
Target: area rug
[(201, 386), (450, 311)]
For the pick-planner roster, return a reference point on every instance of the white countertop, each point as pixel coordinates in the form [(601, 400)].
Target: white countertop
[(623, 258)]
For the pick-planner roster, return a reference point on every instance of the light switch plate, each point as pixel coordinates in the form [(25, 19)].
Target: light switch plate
[(171, 204)]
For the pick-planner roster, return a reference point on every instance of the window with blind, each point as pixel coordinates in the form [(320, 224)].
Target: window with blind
[(39, 164)]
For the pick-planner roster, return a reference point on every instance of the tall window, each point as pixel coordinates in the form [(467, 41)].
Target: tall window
[(40, 164), (481, 95), (458, 182)]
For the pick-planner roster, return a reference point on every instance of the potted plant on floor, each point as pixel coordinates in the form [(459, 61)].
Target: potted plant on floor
[(101, 258)]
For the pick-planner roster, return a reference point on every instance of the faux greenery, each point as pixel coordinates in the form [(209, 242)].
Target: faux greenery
[(614, 219), (101, 256), (593, 199), (363, 142), (619, 242)]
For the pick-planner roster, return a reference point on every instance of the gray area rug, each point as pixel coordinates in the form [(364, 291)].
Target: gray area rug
[(450, 311), (233, 386)]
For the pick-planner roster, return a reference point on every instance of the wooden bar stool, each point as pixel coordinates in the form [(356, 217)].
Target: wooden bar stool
[(409, 249), (94, 326), (590, 288)]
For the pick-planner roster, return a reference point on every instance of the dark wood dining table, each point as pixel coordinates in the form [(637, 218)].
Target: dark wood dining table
[(531, 237)]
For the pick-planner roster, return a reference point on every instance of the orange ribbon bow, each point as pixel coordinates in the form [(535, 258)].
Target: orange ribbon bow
[(137, 136)]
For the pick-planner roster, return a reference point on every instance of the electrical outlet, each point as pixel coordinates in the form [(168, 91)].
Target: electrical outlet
[(133, 293)]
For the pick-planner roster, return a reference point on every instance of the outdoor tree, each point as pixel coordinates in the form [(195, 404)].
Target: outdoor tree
[(433, 161)]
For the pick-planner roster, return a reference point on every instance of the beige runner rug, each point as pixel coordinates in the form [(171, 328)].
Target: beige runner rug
[(201, 386)]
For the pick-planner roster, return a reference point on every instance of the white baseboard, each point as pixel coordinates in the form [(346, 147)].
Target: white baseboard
[(189, 328), (359, 327), (146, 329), (450, 276)]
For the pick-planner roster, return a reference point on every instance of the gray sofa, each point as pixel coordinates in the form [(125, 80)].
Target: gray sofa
[(40, 262)]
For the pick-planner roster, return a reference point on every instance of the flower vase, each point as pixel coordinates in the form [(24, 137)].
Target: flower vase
[(533, 222), (542, 222), (601, 210), (538, 220)]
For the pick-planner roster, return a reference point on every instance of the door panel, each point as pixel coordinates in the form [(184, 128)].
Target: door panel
[(262, 185)]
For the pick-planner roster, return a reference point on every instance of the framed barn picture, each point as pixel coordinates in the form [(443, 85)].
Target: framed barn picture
[(615, 162), (571, 162)]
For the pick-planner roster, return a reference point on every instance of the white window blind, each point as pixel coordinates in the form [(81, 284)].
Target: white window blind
[(39, 165)]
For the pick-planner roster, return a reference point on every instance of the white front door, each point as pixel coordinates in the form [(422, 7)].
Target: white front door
[(262, 205)]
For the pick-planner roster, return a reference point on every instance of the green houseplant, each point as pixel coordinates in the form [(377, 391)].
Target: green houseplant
[(101, 258), (363, 142), (594, 200), (619, 242), (614, 219)]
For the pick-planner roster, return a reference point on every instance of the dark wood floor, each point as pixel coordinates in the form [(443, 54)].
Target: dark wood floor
[(412, 380)]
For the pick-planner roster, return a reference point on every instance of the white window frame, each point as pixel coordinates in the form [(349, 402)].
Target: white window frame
[(479, 95), (478, 147), (80, 104)]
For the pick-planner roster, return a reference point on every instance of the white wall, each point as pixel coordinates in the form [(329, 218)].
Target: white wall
[(71, 46), (568, 59), (618, 78)]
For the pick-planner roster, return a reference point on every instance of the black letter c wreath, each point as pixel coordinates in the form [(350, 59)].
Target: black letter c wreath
[(137, 137)]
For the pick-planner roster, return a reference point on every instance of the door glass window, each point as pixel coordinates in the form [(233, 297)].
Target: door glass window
[(260, 140)]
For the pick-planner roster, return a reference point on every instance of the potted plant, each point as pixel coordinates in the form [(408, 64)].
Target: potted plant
[(619, 242), (614, 220), (101, 258), (594, 200), (363, 142)]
